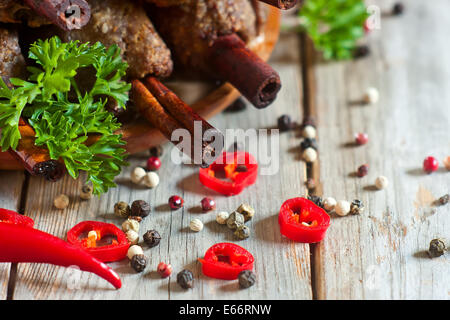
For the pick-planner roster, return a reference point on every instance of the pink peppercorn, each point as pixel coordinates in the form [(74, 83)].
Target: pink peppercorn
[(208, 204), (363, 170), (430, 164), (361, 138), (164, 270), (176, 202), (153, 164)]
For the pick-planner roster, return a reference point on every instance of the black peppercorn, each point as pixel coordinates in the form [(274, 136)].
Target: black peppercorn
[(152, 238), (398, 9), (309, 143), (156, 151), (444, 199), (139, 262), (361, 52), (238, 105), (317, 200), (437, 248), (185, 279), (246, 279), (284, 123), (140, 208), (356, 207)]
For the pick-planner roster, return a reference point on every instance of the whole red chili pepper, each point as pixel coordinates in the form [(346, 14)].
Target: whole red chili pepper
[(9, 216), (302, 220), (240, 168), (115, 250), (19, 244), (225, 261)]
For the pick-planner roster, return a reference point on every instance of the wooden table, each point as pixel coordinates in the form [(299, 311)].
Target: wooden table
[(380, 254)]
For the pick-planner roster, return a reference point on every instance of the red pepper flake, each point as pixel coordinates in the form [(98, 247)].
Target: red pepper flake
[(226, 261), (303, 221)]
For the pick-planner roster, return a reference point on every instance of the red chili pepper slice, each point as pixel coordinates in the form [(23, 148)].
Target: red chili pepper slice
[(240, 168), (9, 216), (21, 244), (302, 220), (115, 243), (225, 261)]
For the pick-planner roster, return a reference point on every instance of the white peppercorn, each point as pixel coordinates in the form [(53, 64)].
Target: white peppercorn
[(371, 96), (196, 225), (132, 236), (342, 208), (151, 180), (61, 202), (247, 211), (222, 217), (86, 192), (309, 155), (329, 204), (381, 182), (309, 132), (130, 224), (137, 175), (134, 250)]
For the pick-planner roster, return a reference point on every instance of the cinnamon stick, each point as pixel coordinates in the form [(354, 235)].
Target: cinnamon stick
[(66, 14), (167, 112), (245, 70), (36, 160), (281, 4)]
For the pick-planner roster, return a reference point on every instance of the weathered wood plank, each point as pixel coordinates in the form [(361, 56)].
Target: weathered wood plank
[(282, 267), (380, 254), (10, 190)]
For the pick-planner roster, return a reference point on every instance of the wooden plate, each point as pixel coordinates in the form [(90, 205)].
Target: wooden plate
[(207, 101)]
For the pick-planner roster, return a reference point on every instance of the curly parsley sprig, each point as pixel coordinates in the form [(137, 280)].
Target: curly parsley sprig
[(334, 25), (63, 115)]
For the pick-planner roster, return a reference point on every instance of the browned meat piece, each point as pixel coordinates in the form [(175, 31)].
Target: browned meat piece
[(189, 29), (12, 63), (15, 11), (126, 24)]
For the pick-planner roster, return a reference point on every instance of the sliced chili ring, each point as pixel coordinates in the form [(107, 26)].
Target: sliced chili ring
[(225, 261), (302, 220), (229, 163), (116, 248), (9, 216)]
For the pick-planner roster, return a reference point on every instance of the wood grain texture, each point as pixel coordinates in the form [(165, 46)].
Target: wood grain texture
[(10, 191), (381, 254), (282, 267)]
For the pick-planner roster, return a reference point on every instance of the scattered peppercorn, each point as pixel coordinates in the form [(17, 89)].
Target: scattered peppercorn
[(130, 224), (152, 238), (208, 204), (137, 175), (329, 204), (122, 209), (361, 138), (246, 279), (185, 279), (61, 202), (381, 182), (356, 207), (317, 200), (134, 250), (371, 96), (284, 123), (361, 51), (437, 248), (309, 132), (140, 208), (242, 232), (309, 155), (447, 162), (236, 106), (153, 164), (164, 270), (222, 217), (150, 180), (176, 202), (363, 170), (444, 199), (156, 151), (398, 9), (309, 143), (235, 220), (139, 262), (132, 236), (86, 192), (310, 183), (247, 211), (430, 164), (342, 208), (196, 225)]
